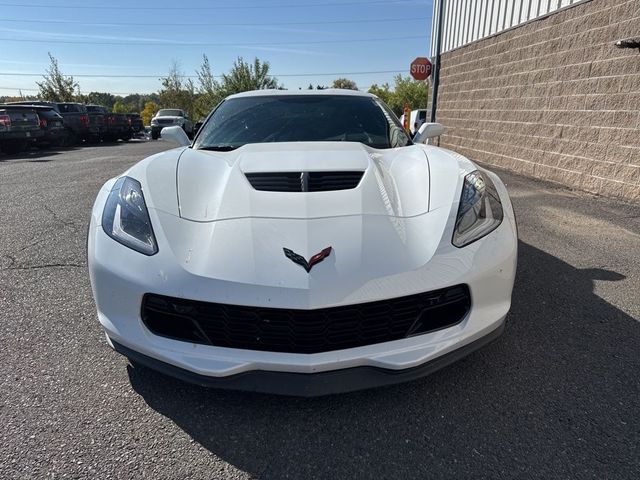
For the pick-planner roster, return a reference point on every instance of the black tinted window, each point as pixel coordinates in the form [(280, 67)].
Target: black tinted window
[(301, 118), (70, 108), (47, 114), (170, 113)]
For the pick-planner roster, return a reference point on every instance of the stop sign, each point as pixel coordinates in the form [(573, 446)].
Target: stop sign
[(420, 68)]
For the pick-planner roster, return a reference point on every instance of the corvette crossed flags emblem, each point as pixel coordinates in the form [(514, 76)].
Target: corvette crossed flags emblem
[(300, 260)]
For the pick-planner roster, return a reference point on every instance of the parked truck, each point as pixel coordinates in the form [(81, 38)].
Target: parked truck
[(19, 127), (76, 119)]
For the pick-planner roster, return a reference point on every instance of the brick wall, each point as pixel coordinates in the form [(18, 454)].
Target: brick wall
[(553, 99)]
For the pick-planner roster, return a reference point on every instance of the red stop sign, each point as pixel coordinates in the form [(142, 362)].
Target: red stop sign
[(420, 68)]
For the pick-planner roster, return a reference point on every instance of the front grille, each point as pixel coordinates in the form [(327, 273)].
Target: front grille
[(165, 121), (304, 181), (304, 331)]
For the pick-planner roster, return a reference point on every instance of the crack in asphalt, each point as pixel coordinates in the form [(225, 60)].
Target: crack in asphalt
[(64, 221), (48, 265)]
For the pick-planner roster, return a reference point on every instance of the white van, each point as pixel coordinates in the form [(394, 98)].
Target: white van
[(418, 117)]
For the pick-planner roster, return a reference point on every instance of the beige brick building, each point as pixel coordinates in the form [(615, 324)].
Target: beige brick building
[(547, 94)]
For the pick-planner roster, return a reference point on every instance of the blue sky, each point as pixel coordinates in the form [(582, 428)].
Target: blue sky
[(307, 36)]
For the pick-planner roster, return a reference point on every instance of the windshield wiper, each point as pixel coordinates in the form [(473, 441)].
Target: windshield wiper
[(219, 148)]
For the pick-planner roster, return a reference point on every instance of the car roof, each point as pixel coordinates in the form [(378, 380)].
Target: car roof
[(28, 106), (326, 91), (31, 102)]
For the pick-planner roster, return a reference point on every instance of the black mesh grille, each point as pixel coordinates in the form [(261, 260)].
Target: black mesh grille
[(304, 181), (304, 331)]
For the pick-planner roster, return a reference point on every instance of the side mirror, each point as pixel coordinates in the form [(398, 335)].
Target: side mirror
[(175, 135), (428, 130)]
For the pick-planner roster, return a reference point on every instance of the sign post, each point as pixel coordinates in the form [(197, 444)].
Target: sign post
[(420, 69)]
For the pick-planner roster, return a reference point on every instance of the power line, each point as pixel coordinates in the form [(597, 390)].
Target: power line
[(221, 24), (88, 75), (219, 7), (20, 89), (204, 44)]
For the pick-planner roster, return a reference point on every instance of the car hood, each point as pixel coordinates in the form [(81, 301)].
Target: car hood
[(214, 185), (216, 225)]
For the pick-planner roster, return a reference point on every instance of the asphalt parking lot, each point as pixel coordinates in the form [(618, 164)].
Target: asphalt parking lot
[(557, 396)]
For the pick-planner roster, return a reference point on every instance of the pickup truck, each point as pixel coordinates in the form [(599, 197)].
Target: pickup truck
[(18, 128), (97, 115), (135, 122), (76, 119), (113, 126), (117, 127), (168, 117)]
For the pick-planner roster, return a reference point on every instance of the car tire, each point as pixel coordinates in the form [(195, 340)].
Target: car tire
[(154, 135)]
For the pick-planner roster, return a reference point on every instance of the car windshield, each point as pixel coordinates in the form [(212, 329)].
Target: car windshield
[(301, 118), (170, 113)]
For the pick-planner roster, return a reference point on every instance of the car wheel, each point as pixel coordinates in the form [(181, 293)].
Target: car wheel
[(155, 135)]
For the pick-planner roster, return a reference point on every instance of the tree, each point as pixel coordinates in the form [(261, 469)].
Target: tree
[(55, 86), (150, 109), (244, 77), (120, 107), (345, 84), (383, 92), (407, 90), (175, 92), (209, 91), (100, 98)]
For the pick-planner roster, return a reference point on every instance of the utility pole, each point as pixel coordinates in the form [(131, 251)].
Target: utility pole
[(436, 66)]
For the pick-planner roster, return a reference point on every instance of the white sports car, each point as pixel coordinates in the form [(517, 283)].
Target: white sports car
[(304, 245)]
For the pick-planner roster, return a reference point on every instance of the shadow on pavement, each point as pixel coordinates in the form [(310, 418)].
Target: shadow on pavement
[(32, 156), (556, 396)]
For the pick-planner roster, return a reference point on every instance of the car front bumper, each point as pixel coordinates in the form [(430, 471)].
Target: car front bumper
[(121, 277), (309, 384)]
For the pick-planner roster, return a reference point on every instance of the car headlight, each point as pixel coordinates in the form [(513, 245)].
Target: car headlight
[(480, 210), (154, 121), (125, 217)]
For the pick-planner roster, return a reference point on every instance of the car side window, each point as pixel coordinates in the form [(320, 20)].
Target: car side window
[(397, 136)]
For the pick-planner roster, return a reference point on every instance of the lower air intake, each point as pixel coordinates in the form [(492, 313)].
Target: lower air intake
[(305, 331)]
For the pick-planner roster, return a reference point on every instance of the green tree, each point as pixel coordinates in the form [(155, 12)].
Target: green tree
[(176, 92), (245, 76), (383, 92), (345, 84), (407, 90), (55, 86), (209, 91), (100, 98), (120, 107), (149, 110)]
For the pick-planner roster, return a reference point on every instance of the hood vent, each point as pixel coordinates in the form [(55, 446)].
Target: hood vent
[(304, 181)]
